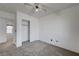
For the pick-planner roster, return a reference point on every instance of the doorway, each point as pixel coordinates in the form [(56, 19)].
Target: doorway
[(25, 30)]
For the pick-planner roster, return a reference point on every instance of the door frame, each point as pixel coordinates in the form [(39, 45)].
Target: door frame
[(28, 28)]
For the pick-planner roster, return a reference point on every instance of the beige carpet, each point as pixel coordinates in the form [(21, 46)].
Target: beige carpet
[(36, 48)]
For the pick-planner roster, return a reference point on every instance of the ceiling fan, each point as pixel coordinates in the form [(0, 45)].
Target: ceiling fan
[(37, 7)]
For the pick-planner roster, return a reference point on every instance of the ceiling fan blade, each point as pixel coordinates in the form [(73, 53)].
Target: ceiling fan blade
[(43, 7), (28, 4), (36, 4)]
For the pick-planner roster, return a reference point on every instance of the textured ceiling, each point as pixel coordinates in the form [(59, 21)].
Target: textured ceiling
[(50, 7)]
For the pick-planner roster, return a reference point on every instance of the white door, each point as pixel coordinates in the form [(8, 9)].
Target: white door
[(24, 31)]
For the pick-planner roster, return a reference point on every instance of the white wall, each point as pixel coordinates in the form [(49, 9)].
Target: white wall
[(7, 15), (62, 27), (5, 18), (34, 28)]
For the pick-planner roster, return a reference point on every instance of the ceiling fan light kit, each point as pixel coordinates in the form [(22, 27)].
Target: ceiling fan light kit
[(36, 10), (36, 7)]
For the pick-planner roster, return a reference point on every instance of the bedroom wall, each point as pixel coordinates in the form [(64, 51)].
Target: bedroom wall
[(5, 18), (62, 28)]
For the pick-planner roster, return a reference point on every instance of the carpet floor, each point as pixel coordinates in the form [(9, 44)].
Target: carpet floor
[(36, 48)]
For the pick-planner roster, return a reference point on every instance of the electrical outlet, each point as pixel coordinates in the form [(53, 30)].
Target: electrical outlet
[(57, 41), (51, 40)]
